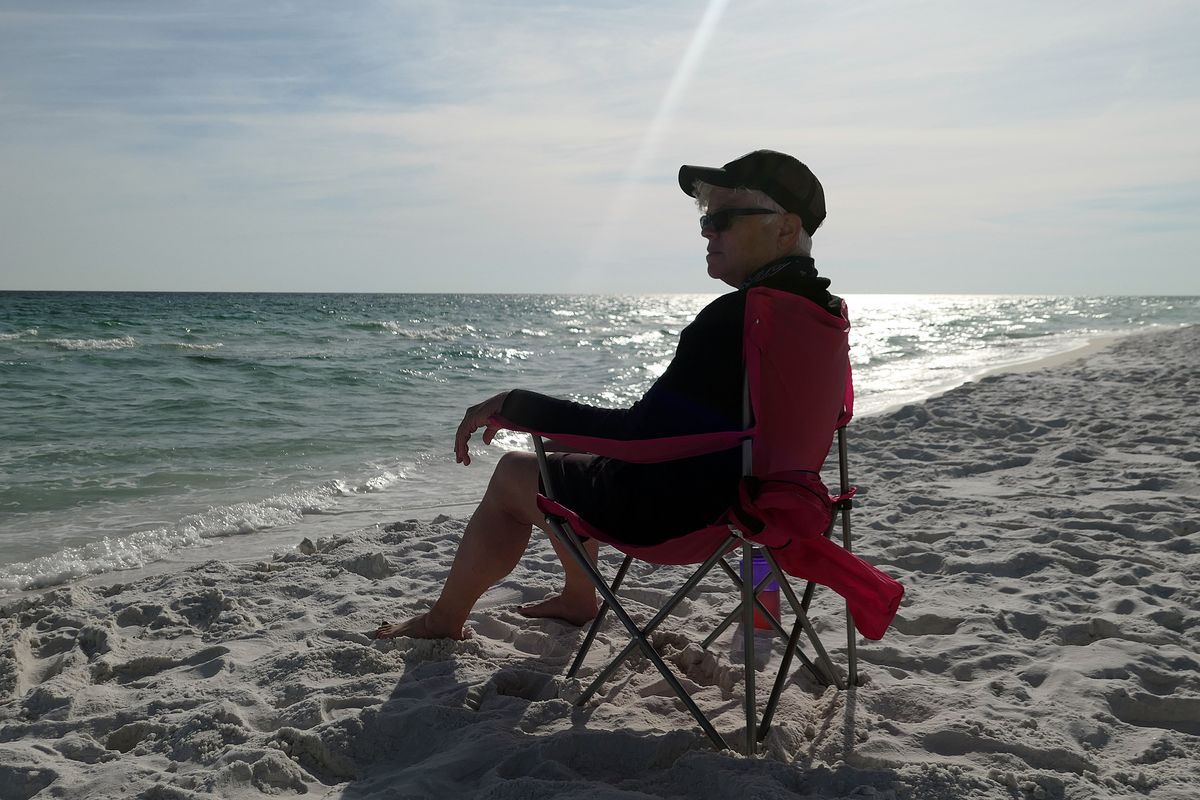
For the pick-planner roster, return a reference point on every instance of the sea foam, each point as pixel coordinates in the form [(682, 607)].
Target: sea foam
[(145, 547), (438, 333), (190, 346), (9, 337), (120, 343)]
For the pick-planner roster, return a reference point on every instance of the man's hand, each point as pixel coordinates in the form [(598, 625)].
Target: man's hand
[(476, 418)]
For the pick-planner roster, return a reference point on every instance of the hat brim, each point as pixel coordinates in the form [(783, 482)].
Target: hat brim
[(715, 176)]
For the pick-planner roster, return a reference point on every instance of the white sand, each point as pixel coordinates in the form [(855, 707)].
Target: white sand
[(1045, 523)]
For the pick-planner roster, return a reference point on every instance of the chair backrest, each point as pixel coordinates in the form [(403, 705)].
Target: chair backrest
[(798, 369)]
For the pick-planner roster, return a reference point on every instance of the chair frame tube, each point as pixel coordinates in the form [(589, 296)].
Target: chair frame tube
[(749, 593), (844, 476), (594, 628), (750, 696)]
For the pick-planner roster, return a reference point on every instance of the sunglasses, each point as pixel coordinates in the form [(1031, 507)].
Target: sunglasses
[(721, 220)]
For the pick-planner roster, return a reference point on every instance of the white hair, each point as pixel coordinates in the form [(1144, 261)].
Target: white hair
[(756, 198)]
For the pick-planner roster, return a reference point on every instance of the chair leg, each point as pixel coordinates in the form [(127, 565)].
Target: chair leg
[(851, 633), (595, 626), (748, 598), (793, 646), (639, 636), (844, 483), (806, 601), (725, 623), (827, 673)]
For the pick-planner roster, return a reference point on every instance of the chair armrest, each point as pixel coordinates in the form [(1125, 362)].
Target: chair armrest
[(555, 446), (638, 451)]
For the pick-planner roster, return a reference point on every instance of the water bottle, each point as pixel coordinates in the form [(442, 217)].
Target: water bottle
[(769, 596)]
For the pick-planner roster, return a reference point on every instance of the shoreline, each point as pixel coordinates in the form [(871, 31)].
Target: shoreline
[(1043, 522), (1033, 364), (265, 546), (1088, 348)]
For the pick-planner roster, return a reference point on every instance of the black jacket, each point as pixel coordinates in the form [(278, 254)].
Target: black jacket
[(701, 389), (700, 392)]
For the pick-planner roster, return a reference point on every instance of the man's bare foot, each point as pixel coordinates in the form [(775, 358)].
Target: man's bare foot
[(419, 627), (573, 612)]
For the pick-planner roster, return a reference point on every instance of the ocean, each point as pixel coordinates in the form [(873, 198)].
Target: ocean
[(158, 428)]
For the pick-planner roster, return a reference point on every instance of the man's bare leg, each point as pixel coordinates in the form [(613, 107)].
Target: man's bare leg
[(577, 603), (493, 543)]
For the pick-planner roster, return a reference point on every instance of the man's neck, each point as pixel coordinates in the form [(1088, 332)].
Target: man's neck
[(799, 262)]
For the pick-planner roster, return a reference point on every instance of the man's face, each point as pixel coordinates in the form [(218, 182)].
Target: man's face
[(746, 245)]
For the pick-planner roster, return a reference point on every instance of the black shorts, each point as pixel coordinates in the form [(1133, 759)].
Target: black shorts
[(646, 504)]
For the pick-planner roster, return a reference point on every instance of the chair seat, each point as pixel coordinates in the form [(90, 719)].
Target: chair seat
[(691, 548)]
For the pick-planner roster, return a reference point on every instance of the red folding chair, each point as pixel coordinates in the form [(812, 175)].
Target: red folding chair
[(797, 393)]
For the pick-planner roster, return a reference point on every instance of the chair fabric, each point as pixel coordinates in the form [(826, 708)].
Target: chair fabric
[(797, 370)]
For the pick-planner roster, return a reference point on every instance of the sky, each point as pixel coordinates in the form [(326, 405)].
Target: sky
[(506, 146)]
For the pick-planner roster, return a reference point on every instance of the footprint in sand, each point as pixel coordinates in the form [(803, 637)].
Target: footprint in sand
[(951, 742), (1030, 626), (338, 707), (1151, 711), (149, 666), (927, 625), (523, 684), (545, 638)]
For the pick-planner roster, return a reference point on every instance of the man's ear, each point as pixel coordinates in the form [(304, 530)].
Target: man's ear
[(789, 229)]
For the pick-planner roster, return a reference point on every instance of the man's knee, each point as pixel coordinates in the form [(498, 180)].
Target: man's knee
[(517, 466), (515, 479)]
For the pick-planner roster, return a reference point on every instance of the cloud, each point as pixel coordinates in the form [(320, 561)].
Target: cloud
[(494, 146)]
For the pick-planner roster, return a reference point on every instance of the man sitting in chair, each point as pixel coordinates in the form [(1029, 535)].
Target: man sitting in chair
[(760, 212)]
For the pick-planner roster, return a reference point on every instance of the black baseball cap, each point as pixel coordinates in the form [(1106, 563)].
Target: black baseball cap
[(784, 179)]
